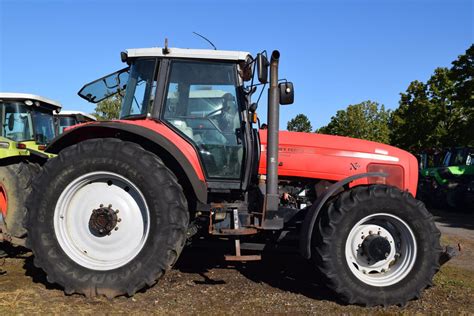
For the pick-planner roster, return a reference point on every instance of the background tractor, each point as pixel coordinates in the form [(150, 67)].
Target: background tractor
[(447, 178), (186, 158), (27, 127), (67, 119)]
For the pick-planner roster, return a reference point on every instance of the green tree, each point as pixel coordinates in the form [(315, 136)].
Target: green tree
[(108, 109), (300, 123), (415, 123), (462, 74), (366, 120), (439, 113)]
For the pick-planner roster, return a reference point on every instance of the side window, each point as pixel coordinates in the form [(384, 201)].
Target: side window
[(141, 87), (201, 102), (17, 122)]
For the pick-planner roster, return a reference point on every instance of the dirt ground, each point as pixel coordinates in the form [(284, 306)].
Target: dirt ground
[(282, 283)]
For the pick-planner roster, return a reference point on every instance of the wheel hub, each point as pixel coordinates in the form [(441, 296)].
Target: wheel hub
[(103, 220), (380, 249), (376, 248)]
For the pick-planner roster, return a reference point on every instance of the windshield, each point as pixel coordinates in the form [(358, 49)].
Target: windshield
[(44, 127), (461, 156), (66, 121), (105, 87), (16, 121)]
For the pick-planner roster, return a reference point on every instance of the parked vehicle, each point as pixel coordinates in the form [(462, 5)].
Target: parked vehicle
[(27, 127), (449, 179), (67, 119), (126, 195)]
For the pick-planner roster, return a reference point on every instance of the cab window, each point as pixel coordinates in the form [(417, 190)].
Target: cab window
[(201, 102)]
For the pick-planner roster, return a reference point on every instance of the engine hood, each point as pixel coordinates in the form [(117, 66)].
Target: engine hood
[(319, 156)]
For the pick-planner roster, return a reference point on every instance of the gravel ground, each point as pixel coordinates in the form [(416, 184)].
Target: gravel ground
[(203, 283)]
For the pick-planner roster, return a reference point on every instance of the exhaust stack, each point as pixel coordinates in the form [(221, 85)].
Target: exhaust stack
[(271, 196)]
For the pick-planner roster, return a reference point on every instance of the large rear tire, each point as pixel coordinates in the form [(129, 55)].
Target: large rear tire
[(15, 186), (376, 245), (112, 221)]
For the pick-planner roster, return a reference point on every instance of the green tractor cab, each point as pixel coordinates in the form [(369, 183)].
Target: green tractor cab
[(28, 121), (66, 119), (28, 125)]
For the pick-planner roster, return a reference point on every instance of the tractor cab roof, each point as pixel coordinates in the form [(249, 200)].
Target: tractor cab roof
[(172, 52), (35, 99), (74, 113)]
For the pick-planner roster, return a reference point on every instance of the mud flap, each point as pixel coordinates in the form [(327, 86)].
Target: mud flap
[(449, 253)]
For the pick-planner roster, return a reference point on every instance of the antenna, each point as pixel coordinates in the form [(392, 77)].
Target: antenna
[(166, 49), (205, 40)]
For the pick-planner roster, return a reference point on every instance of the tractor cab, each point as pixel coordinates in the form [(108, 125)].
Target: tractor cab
[(66, 119), (202, 95), (27, 120)]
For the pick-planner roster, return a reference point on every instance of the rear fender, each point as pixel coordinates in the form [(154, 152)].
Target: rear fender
[(310, 218), (190, 175)]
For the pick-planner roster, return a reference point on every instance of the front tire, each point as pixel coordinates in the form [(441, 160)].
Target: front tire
[(113, 220), (376, 245)]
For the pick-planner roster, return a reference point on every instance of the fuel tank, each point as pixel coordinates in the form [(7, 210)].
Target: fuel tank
[(319, 156)]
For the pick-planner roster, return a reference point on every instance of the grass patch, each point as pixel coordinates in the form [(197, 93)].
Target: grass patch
[(450, 276)]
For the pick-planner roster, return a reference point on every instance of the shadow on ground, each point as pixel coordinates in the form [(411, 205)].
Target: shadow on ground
[(284, 270), (454, 218)]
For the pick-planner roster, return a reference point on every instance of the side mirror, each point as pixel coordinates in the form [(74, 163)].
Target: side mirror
[(262, 68), (287, 94), (11, 122)]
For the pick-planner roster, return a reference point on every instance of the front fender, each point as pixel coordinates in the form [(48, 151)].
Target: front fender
[(177, 154), (310, 218)]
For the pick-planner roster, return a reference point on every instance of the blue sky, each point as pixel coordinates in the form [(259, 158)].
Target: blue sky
[(336, 52)]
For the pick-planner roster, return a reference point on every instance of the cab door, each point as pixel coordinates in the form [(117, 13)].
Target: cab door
[(202, 104)]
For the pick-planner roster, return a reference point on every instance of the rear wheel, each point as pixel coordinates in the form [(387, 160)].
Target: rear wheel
[(115, 224), (15, 185), (376, 245)]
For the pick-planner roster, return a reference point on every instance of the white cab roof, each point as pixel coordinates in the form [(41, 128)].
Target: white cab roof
[(27, 96), (188, 53), (69, 112)]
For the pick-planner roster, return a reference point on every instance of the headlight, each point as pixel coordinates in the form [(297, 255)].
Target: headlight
[(395, 175)]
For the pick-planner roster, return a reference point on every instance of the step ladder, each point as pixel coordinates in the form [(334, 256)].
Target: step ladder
[(238, 255)]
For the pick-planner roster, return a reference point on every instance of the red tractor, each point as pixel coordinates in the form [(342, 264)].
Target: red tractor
[(186, 157)]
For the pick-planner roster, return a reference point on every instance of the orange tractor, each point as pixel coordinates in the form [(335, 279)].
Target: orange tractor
[(187, 157)]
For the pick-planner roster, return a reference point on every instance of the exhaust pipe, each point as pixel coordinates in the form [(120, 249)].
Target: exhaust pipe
[(271, 196)]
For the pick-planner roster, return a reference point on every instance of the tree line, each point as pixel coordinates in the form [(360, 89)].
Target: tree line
[(435, 114)]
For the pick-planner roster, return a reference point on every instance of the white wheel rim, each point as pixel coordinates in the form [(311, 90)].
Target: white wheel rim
[(399, 261), (73, 212)]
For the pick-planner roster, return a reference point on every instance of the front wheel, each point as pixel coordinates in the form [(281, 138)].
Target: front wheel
[(376, 245), (106, 218)]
